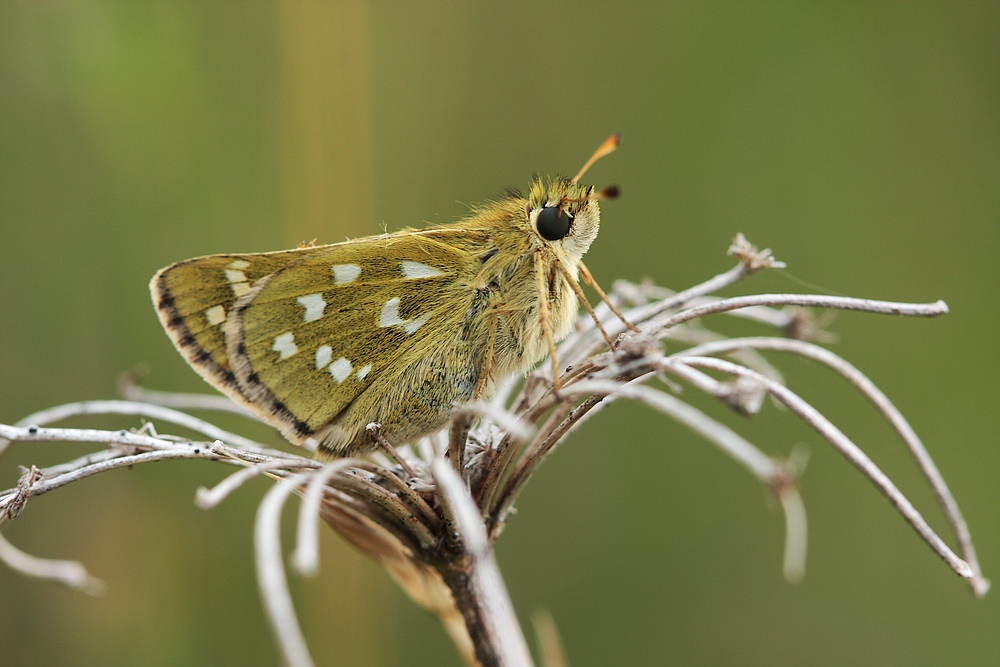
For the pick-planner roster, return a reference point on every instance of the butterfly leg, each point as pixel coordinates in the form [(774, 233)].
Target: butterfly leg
[(583, 297), (544, 319), (489, 359), (589, 279), (375, 431)]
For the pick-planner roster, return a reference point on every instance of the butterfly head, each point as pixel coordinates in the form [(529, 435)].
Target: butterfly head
[(563, 214)]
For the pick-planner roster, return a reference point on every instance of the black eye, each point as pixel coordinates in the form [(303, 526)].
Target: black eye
[(553, 223)]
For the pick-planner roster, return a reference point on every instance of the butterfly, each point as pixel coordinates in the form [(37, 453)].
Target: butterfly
[(395, 329)]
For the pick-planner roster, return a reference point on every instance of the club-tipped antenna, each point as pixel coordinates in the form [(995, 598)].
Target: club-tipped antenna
[(610, 144)]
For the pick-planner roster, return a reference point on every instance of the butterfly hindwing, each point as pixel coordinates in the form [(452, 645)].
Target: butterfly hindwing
[(193, 299)]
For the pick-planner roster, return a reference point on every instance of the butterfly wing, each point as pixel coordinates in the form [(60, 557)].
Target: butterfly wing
[(193, 299), (320, 341)]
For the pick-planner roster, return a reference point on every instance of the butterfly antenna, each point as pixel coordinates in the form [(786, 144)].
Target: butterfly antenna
[(610, 144)]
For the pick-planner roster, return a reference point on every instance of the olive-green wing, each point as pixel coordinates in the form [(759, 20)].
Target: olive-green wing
[(193, 299), (308, 330)]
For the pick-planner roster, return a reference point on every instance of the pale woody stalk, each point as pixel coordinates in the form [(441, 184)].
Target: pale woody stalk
[(433, 529)]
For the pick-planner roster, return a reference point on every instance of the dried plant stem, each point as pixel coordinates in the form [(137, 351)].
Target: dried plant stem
[(507, 452), (458, 440), (475, 579), (66, 572), (762, 466), (535, 453), (211, 498), (271, 575), (796, 533), (805, 300), (305, 558), (710, 286), (850, 451), (870, 391), (549, 642), (425, 511), (149, 411), (133, 392), (375, 431)]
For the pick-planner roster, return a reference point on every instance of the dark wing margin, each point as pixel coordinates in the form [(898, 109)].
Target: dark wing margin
[(254, 393), (193, 299)]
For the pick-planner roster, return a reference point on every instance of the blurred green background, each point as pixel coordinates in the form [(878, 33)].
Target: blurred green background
[(860, 141)]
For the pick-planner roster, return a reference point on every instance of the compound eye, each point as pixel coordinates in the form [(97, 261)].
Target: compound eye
[(553, 223)]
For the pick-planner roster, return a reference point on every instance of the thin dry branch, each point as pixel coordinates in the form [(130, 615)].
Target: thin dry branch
[(271, 574), (851, 452), (889, 411), (488, 608)]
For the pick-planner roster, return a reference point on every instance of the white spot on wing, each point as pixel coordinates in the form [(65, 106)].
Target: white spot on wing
[(340, 369), (323, 356), (363, 372), (215, 315), (389, 317), (412, 325), (239, 289), (284, 344), (345, 273), (314, 305), (413, 270), (310, 444), (237, 279)]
